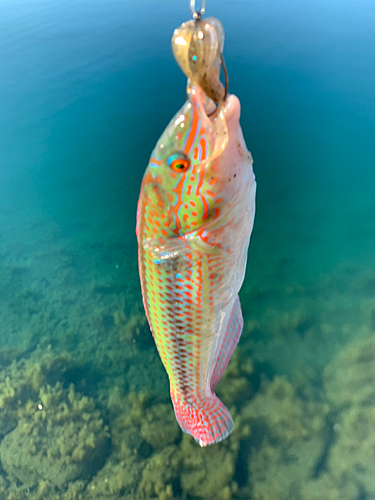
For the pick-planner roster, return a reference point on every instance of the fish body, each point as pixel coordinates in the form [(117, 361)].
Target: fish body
[(195, 216)]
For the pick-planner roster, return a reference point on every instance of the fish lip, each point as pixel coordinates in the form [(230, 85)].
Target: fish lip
[(230, 106)]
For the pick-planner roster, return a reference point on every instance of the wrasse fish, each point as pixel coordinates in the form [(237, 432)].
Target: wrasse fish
[(194, 221)]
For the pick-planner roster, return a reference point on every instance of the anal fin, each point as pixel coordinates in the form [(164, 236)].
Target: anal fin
[(231, 338)]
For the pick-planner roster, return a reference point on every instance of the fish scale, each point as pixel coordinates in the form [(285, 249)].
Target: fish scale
[(193, 230)]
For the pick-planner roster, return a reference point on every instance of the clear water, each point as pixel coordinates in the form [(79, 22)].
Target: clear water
[(86, 88)]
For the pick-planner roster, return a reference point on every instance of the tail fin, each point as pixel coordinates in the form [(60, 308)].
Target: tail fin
[(208, 421)]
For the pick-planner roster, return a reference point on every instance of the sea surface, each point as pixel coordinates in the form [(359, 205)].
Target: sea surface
[(86, 89)]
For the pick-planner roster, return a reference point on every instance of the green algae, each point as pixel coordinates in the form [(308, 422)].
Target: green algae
[(67, 455), (58, 439), (65, 441), (60, 435), (349, 383), (107, 430)]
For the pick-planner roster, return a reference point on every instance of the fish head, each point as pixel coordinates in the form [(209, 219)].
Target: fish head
[(187, 181)]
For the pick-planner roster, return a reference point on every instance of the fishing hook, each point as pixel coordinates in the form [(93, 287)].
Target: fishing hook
[(226, 79)]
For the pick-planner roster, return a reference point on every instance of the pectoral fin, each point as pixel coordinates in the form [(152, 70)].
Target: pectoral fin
[(175, 248)]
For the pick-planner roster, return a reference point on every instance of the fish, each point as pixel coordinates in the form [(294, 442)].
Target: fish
[(194, 221)]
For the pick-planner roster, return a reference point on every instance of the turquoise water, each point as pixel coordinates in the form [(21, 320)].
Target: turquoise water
[(86, 88)]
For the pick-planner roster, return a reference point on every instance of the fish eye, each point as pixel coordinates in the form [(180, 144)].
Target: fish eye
[(179, 162)]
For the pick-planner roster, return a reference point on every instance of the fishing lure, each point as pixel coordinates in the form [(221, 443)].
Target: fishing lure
[(194, 220)]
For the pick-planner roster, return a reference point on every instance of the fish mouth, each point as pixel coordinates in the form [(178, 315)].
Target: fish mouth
[(231, 105)]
